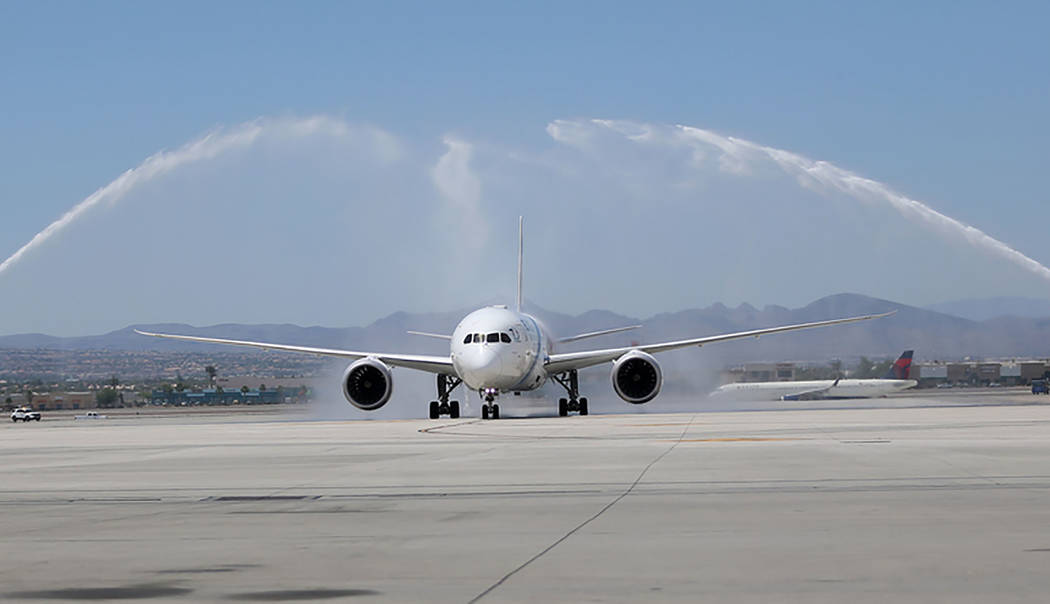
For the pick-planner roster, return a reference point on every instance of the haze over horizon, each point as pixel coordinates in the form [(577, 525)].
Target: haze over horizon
[(357, 188)]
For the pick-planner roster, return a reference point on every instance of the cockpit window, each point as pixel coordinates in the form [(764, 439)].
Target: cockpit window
[(477, 338), (467, 339), (492, 337), (504, 338)]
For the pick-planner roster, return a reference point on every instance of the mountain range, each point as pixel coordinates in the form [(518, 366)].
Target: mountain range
[(934, 334)]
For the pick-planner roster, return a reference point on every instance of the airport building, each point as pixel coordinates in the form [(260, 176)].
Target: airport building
[(761, 372), (1008, 373), (232, 396), (57, 401)]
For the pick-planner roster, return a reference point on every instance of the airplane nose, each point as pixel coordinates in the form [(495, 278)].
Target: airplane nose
[(484, 363)]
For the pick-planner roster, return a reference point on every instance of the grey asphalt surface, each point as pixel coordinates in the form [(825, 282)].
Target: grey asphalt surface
[(903, 503)]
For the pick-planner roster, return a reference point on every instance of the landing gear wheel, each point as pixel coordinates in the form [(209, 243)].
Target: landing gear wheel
[(495, 411), (484, 412), (563, 407), (453, 410), (434, 410), (583, 406)]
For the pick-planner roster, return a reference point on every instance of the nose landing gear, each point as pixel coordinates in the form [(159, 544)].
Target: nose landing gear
[(442, 406), (490, 409), (570, 381)]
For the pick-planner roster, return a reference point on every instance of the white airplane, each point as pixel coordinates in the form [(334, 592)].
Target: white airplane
[(895, 380), (495, 350)]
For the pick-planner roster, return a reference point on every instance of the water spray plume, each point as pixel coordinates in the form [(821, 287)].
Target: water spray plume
[(822, 174), (206, 147), (737, 156)]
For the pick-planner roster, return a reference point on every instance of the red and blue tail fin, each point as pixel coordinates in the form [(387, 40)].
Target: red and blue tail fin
[(901, 368)]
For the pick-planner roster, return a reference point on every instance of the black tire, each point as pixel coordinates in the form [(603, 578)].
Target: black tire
[(453, 410), (563, 407), (583, 406), (434, 411), (495, 411), (484, 412), (37, 419)]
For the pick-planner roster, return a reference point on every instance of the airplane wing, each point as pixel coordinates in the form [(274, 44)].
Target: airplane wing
[(439, 336), (812, 394), (595, 334), (558, 363), (431, 364)]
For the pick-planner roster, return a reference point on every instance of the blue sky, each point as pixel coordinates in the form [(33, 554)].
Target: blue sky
[(944, 102)]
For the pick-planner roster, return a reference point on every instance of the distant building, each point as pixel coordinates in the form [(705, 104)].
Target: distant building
[(1011, 373), (761, 372), (59, 401), (231, 396)]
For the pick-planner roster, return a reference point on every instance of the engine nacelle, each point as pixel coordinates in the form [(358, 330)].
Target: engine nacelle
[(636, 377), (367, 384)]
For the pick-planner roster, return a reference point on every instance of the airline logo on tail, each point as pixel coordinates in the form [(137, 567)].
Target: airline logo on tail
[(901, 368)]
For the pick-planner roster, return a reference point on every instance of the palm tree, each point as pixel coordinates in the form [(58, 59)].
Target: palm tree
[(212, 372)]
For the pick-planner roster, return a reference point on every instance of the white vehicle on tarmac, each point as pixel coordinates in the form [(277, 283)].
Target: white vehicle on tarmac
[(25, 414)]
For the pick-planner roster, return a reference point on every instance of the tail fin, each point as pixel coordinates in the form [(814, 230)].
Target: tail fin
[(901, 369), (521, 248)]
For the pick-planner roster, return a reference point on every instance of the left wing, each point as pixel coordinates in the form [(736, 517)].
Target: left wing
[(432, 364), (558, 363), (808, 395), (595, 334)]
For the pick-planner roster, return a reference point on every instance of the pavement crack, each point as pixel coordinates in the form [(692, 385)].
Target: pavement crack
[(589, 520)]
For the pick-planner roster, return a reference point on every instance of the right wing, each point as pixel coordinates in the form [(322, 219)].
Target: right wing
[(431, 364), (439, 336), (558, 363)]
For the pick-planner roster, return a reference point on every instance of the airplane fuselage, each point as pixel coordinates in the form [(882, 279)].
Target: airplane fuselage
[(497, 348), (829, 389)]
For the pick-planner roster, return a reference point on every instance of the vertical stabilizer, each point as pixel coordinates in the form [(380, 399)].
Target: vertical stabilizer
[(901, 369), (521, 248)]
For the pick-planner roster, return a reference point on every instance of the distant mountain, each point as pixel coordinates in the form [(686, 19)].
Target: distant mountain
[(982, 309), (933, 334)]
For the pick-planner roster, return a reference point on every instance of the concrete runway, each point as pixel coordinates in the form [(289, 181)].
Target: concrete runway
[(923, 504)]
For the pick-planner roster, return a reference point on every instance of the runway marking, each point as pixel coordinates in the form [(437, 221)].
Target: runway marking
[(250, 498), (735, 439), (658, 425), (580, 526), (877, 441), (443, 426)]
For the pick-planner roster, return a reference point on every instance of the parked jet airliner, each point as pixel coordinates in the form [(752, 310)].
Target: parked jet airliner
[(495, 350), (895, 380)]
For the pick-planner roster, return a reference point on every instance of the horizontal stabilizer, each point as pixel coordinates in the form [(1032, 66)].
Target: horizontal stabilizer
[(594, 334)]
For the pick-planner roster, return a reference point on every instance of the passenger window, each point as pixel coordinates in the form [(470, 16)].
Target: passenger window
[(504, 338), (492, 338), (466, 340)]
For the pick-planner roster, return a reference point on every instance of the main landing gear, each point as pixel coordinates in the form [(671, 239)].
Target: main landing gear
[(442, 406), (570, 381), (490, 409)]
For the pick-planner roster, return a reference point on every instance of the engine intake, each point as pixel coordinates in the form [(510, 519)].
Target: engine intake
[(636, 377), (367, 384)]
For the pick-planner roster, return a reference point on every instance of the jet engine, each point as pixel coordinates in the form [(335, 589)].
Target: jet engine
[(367, 384), (636, 377)]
